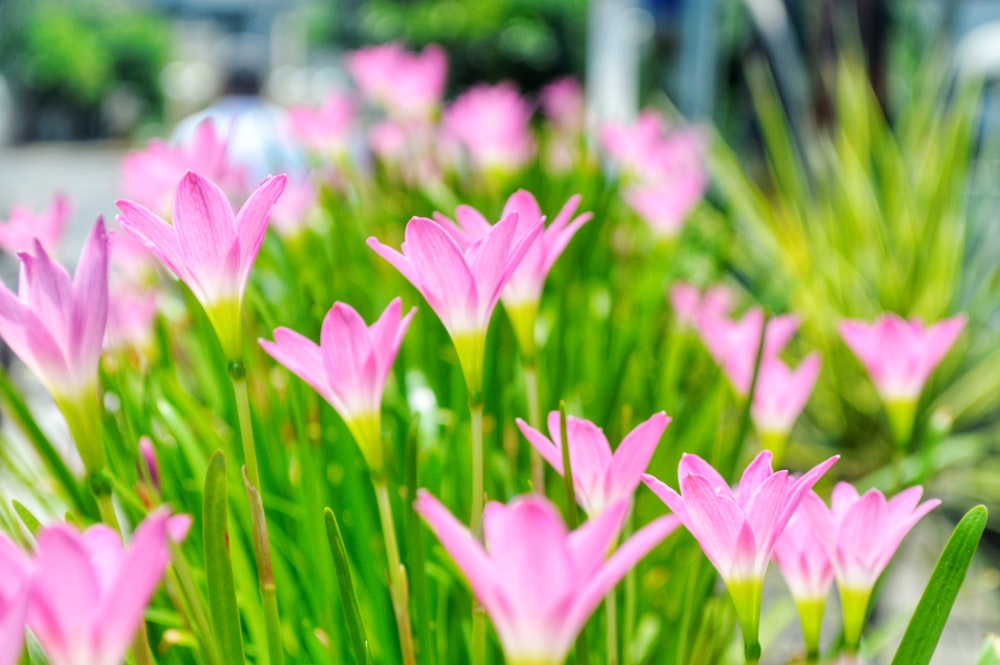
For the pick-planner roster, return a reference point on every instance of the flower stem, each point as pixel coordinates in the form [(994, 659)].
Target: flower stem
[(611, 613), (535, 420), (261, 544), (478, 614), (397, 573)]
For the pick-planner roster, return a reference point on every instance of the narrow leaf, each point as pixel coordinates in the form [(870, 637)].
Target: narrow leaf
[(932, 612), (29, 520), (218, 566), (355, 627)]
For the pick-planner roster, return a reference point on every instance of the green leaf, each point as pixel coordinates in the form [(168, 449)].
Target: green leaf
[(218, 566), (932, 612), (26, 517), (991, 651), (355, 627)]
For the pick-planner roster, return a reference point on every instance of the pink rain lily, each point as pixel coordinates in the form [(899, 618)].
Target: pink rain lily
[(405, 84), (208, 247), (523, 292), (630, 145), (781, 395), (15, 587), (23, 226), (131, 319), (462, 286), (601, 479), (563, 103), (900, 355), (733, 344), (55, 324), (492, 123), (325, 130), (665, 206), (690, 306), (539, 582), (807, 570), (89, 592), (150, 176), (861, 533), (349, 367), (803, 560), (738, 529)]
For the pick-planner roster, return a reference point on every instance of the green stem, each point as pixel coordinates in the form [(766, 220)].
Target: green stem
[(611, 613), (535, 420), (397, 573), (478, 614), (261, 544), (741, 434)]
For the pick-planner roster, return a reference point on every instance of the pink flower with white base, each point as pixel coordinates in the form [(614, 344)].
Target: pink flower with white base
[(601, 478)]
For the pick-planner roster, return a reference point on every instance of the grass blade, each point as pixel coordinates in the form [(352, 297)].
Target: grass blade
[(355, 627), (218, 566), (932, 612)]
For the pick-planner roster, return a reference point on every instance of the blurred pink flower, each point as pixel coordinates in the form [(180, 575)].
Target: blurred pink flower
[(462, 286), (601, 479), (782, 393), (665, 206), (325, 130), (89, 592), (630, 145), (208, 247), (130, 258), (900, 355), (150, 176), (56, 324), (15, 587), (538, 582), (493, 124), (404, 84), (733, 344), (131, 318), (564, 104), (690, 306), (23, 226), (803, 560), (290, 214), (349, 367), (861, 533)]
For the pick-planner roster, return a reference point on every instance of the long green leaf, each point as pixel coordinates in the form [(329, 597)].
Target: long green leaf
[(218, 566), (26, 517), (355, 627), (932, 612)]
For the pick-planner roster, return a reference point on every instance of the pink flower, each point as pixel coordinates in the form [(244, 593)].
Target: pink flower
[(89, 592), (325, 130), (461, 286), (632, 145), (15, 578), (563, 103), (782, 393), (349, 367), (665, 206), (493, 124), (526, 283), (150, 176), (733, 344), (601, 478), (862, 533), (736, 529), (290, 214), (23, 226), (208, 247), (56, 324), (538, 582), (803, 560), (131, 318), (690, 306), (405, 84), (900, 355)]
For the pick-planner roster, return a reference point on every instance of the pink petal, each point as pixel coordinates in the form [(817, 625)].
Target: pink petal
[(633, 455), (90, 300), (550, 452), (251, 222), (592, 541), (158, 236), (444, 278), (348, 356), (206, 232), (716, 521)]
